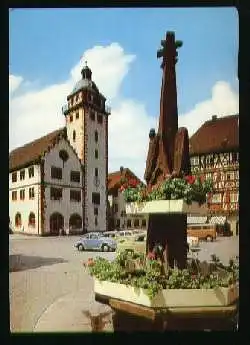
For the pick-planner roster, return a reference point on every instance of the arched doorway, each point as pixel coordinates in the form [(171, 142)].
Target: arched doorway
[(75, 222), (56, 223), (32, 220), (18, 220)]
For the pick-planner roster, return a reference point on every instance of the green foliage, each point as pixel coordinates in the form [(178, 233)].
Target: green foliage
[(172, 189), (148, 274)]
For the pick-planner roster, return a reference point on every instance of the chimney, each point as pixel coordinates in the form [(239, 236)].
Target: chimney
[(214, 117)]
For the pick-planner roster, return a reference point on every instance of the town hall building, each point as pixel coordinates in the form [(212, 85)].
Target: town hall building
[(59, 181)]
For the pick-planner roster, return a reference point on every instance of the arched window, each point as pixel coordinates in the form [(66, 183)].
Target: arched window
[(18, 220), (32, 219), (75, 221), (74, 135)]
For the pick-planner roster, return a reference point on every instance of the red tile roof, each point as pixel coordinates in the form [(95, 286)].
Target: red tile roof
[(115, 177), (31, 152), (216, 135)]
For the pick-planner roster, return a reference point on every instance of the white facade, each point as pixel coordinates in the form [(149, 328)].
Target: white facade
[(56, 199), (95, 184), (64, 206), (29, 204)]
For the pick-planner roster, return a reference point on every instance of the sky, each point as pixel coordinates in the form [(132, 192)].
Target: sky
[(48, 48)]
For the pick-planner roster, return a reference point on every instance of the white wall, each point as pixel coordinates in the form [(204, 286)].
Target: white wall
[(63, 206), (93, 163), (24, 207), (78, 126)]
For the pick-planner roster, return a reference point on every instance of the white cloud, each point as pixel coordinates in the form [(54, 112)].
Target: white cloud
[(129, 125), (109, 66), (224, 101), (14, 83), (35, 113)]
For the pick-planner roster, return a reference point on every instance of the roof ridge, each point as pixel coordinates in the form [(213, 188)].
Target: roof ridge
[(38, 139)]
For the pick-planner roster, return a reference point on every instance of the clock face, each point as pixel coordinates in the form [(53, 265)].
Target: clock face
[(96, 181)]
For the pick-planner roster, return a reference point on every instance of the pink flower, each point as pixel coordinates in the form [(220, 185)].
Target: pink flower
[(151, 256)]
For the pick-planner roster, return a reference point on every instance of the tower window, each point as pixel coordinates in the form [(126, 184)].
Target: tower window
[(22, 174), (14, 177), (96, 198), (22, 194), (71, 118), (31, 193), (96, 172), (77, 115), (96, 153), (14, 195), (99, 118), (74, 135), (92, 115), (31, 171), (56, 173), (96, 136), (96, 221), (95, 211)]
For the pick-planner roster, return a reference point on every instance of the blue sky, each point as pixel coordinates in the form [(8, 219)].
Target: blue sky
[(45, 44)]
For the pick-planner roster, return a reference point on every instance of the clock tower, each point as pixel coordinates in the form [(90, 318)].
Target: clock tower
[(86, 116)]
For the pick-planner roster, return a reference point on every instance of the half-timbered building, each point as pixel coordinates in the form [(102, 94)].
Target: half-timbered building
[(214, 153)]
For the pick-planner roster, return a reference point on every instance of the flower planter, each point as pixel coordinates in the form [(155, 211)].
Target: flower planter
[(169, 298), (165, 206)]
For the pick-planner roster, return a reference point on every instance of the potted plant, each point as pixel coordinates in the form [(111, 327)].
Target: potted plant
[(144, 280), (184, 194)]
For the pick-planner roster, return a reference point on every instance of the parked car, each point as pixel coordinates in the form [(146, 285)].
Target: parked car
[(136, 243), (124, 233), (202, 231), (111, 234), (96, 241)]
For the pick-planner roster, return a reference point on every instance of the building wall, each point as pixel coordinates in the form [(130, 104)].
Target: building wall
[(24, 207), (95, 184), (65, 206), (137, 221), (223, 169), (76, 125)]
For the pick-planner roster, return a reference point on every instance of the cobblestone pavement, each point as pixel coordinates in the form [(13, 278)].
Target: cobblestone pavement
[(42, 270)]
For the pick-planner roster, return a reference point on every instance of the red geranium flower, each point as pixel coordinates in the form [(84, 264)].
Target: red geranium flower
[(90, 262), (190, 179)]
